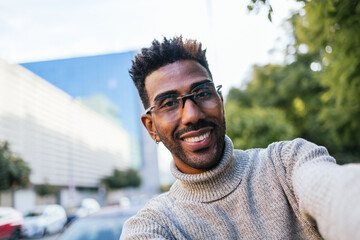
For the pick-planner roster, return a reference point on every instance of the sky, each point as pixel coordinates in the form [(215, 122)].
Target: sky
[(37, 30)]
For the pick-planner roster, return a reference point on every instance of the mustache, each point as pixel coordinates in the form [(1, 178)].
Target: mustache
[(194, 127)]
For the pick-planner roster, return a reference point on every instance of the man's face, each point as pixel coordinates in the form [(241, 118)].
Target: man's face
[(195, 137)]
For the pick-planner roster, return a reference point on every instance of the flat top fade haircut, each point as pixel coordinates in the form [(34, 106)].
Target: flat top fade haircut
[(160, 54)]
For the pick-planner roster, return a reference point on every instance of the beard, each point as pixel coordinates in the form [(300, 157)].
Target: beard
[(205, 158)]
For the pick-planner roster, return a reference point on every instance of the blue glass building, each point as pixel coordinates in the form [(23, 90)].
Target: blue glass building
[(102, 83)]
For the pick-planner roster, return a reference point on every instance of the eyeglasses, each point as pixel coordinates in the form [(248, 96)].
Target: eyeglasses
[(205, 96)]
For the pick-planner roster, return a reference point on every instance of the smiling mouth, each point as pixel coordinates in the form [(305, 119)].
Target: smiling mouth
[(197, 138)]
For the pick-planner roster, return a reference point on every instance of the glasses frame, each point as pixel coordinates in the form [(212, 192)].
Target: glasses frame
[(188, 96)]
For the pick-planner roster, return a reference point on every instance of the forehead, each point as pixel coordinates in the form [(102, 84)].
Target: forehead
[(177, 76)]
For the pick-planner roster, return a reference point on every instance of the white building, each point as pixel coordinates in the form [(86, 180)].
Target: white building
[(64, 142)]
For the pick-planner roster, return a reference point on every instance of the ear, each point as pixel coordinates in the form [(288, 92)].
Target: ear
[(148, 123)]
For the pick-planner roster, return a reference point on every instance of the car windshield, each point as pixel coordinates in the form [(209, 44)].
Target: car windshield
[(95, 228), (34, 213), (4, 213)]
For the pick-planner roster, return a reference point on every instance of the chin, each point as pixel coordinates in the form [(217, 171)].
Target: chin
[(206, 162), (205, 159)]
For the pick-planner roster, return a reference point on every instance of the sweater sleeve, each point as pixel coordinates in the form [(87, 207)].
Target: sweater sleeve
[(138, 227), (327, 193)]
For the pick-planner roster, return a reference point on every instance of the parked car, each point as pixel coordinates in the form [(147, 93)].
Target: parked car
[(86, 207), (106, 224), (44, 219), (11, 222)]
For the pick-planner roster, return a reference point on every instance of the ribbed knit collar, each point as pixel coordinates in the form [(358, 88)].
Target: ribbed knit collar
[(213, 184)]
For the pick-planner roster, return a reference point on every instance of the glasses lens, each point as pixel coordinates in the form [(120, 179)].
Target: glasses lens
[(204, 95), (167, 103)]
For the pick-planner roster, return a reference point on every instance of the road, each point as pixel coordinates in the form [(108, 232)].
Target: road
[(51, 237)]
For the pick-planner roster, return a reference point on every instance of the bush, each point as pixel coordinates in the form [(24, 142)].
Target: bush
[(46, 190), (122, 179), (256, 127), (14, 171)]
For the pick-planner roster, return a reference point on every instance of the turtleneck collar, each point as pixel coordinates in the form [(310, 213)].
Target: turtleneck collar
[(213, 184)]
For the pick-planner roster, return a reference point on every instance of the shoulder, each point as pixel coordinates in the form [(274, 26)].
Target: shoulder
[(286, 154), (289, 150), (299, 151)]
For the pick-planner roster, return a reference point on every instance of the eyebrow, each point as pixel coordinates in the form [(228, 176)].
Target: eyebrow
[(194, 85), (164, 94), (175, 92)]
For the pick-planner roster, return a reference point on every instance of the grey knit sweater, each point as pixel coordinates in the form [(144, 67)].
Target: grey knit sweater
[(290, 190)]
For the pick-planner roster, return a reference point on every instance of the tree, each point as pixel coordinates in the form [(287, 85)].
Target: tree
[(285, 98), (256, 127), (319, 89), (331, 29), (255, 5), (47, 189), (122, 179), (14, 171)]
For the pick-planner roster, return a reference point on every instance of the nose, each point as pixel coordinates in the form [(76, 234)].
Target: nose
[(191, 113)]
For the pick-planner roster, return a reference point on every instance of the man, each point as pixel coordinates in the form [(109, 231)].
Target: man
[(290, 190)]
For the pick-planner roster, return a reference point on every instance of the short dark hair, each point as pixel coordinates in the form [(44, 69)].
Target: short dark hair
[(161, 54)]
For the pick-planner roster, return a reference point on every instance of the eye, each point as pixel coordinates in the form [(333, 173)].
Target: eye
[(169, 103), (204, 94)]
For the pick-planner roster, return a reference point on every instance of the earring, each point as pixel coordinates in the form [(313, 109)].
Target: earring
[(156, 141)]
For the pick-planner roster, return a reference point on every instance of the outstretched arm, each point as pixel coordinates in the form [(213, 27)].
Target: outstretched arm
[(328, 194)]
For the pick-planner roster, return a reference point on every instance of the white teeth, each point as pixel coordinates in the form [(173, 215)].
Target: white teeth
[(197, 139)]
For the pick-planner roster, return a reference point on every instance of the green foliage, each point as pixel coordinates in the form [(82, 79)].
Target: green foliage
[(290, 88), (344, 158), (122, 179), (332, 29), (46, 189), (256, 127), (255, 5), (318, 90), (14, 171)]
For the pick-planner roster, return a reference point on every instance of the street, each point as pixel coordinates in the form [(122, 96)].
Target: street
[(48, 237)]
